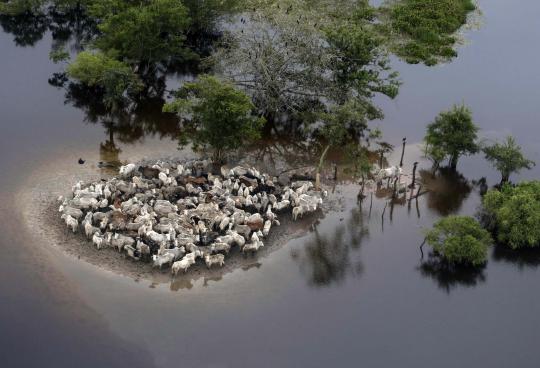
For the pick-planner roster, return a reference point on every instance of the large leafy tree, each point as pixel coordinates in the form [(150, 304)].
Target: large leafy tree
[(459, 240), (424, 31), (114, 78), (146, 31), (507, 158), (218, 116), (513, 214), (291, 59), (451, 135)]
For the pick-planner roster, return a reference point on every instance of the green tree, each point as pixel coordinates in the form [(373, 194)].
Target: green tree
[(513, 214), (142, 31), (423, 31), (339, 122), (220, 115), (452, 134), (507, 158), (115, 78), (296, 59), (459, 240)]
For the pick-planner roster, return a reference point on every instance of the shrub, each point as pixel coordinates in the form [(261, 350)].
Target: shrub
[(221, 116), (507, 158), (452, 134), (423, 31), (459, 240), (513, 214)]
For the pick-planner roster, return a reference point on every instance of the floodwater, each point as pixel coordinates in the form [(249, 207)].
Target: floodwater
[(353, 291)]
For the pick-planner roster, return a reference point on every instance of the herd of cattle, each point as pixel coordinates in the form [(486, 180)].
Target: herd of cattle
[(173, 214)]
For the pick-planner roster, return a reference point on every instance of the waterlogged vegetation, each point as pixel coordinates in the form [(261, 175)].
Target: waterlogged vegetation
[(451, 135), (513, 214), (304, 74), (507, 158), (424, 31), (459, 240), (218, 116)]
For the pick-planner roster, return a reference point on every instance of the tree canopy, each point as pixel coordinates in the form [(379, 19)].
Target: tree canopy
[(513, 214), (423, 31), (292, 62), (507, 158), (220, 115), (143, 31), (459, 240), (451, 135), (112, 76)]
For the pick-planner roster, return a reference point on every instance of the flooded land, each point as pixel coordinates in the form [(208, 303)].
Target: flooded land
[(346, 286)]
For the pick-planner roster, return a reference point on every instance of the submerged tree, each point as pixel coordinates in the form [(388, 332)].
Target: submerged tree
[(113, 77), (292, 62), (452, 134), (507, 158), (421, 31), (219, 115), (143, 32), (513, 214), (459, 240)]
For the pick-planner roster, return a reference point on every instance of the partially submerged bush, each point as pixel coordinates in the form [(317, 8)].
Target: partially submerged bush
[(114, 77), (423, 31), (507, 158), (513, 214), (221, 116), (459, 240)]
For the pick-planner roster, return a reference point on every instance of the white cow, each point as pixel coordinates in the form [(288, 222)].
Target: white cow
[(389, 173)]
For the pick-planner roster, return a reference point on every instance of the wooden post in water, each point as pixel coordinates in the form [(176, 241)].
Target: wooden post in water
[(394, 190), (402, 152), (412, 185)]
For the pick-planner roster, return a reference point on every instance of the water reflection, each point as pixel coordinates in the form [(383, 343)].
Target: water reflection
[(448, 277), (329, 257), (522, 258), (127, 124), (447, 190), (69, 26)]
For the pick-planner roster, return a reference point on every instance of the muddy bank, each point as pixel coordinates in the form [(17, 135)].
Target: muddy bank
[(37, 200)]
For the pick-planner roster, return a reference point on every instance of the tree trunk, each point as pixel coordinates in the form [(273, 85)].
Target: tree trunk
[(319, 167), (453, 161)]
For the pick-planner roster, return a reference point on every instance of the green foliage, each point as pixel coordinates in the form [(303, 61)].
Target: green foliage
[(297, 57), (513, 214), (204, 13), (143, 31), (358, 46), (507, 158), (451, 134), (220, 114), (423, 31), (112, 76), (459, 240), (14, 7), (58, 55)]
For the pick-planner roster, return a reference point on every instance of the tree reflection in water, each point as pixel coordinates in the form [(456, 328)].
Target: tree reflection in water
[(69, 26), (449, 277), (447, 190), (522, 258), (329, 258)]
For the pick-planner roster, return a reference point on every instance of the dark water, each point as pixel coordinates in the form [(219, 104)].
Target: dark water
[(352, 292)]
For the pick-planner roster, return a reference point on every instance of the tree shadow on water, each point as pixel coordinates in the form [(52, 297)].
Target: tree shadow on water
[(328, 259), (521, 258), (447, 190), (448, 277)]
